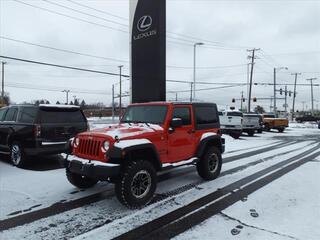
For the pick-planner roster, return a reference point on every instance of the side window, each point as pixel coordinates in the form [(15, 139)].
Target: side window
[(11, 115), (183, 113), (2, 113), (205, 115), (28, 115)]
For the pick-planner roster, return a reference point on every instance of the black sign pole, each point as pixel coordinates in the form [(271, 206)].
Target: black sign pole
[(148, 50)]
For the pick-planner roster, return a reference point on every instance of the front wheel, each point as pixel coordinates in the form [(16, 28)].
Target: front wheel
[(17, 155), (137, 184), (80, 181), (209, 166)]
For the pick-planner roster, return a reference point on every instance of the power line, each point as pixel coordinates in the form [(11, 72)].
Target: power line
[(84, 13), (62, 50), (61, 66), (98, 10), (71, 17), (106, 58)]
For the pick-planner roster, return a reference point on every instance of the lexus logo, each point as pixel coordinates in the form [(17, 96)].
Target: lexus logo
[(144, 23)]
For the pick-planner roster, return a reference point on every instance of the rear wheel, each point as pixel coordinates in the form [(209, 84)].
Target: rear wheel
[(209, 166), (17, 155), (137, 184), (80, 181), (259, 130), (251, 133), (281, 130), (235, 135)]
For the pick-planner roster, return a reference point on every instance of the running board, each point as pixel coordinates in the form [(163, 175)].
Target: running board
[(191, 161)]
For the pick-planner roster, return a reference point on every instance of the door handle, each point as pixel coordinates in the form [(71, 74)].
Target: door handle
[(191, 131)]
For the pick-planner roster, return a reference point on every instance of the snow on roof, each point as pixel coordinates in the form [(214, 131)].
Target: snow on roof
[(58, 106)]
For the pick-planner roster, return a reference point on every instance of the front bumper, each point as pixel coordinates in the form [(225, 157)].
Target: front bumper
[(223, 145), (92, 169)]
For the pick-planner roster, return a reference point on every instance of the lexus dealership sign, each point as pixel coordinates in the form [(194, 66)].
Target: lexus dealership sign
[(148, 50)]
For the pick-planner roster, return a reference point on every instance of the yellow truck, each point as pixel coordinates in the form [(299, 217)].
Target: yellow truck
[(271, 122)]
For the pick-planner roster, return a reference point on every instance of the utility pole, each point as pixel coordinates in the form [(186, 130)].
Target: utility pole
[(275, 88), (285, 100), (112, 103), (2, 90), (241, 100), (195, 66), (176, 97), (311, 83), (303, 106), (67, 95), (294, 93), (251, 75), (191, 89), (120, 97)]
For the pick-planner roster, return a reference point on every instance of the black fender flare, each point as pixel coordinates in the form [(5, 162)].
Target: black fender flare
[(117, 155), (215, 140)]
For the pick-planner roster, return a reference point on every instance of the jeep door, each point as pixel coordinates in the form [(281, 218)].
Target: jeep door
[(181, 144)]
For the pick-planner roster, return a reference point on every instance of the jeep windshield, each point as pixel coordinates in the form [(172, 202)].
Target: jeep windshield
[(145, 114)]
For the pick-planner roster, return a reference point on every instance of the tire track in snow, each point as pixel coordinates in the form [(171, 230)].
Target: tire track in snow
[(182, 219), (61, 207)]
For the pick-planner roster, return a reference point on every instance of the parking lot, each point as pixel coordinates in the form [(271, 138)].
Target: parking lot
[(267, 190)]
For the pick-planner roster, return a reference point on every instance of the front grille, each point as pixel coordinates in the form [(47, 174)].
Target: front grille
[(89, 147)]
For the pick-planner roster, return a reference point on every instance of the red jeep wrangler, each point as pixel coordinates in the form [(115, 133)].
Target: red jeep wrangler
[(150, 138)]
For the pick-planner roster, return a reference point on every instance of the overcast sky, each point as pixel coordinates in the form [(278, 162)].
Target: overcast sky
[(288, 33)]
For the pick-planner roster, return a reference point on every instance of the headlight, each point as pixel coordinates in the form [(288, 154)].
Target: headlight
[(106, 145), (76, 142)]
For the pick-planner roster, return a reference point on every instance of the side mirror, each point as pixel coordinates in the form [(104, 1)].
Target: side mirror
[(176, 123)]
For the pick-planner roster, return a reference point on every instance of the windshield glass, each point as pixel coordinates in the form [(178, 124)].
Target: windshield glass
[(268, 116), (235, 114), (145, 114)]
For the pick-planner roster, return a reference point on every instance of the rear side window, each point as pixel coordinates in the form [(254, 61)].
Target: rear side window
[(183, 113), (235, 114), (2, 113), (28, 115), (11, 115), (206, 117), (61, 116)]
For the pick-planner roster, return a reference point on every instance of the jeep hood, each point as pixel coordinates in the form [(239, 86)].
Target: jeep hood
[(125, 130)]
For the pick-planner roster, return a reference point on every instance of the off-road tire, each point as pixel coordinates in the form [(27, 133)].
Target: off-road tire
[(235, 135), (251, 133), (80, 181), (205, 167), (267, 127), (17, 155), (136, 175)]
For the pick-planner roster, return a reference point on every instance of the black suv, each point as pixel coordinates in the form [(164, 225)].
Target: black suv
[(27, 130)]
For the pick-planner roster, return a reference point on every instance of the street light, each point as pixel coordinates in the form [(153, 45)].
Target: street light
[(275, 88), (194, 67)]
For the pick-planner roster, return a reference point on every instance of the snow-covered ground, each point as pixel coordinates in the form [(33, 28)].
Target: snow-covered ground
[(287, 208)]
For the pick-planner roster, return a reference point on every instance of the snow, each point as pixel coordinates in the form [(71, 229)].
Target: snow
[(129, 143), (287, 207), (207, 134), (93, 163), (58, 106), (292, 209)]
